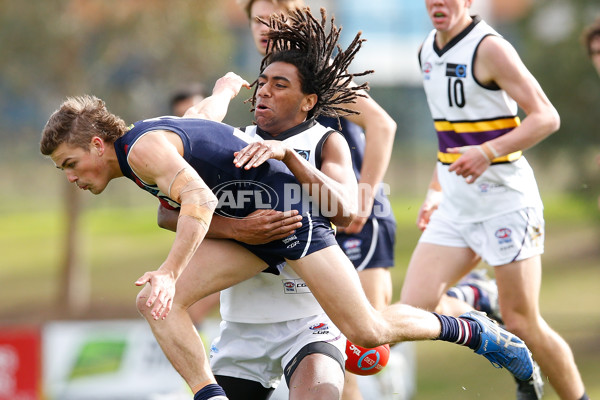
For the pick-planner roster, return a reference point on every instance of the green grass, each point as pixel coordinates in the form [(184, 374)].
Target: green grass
[(116, 245)]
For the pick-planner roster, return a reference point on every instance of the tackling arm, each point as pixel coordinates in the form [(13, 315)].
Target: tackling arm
[(333, 187)]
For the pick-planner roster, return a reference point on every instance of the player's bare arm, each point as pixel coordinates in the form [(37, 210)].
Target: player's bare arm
[(380, 131), (215, 106), (498, 62), (431, 202), (156, 159), (259, 227), (333, 187)]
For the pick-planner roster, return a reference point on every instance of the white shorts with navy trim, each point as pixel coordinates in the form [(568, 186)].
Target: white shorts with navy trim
[(514, 236)]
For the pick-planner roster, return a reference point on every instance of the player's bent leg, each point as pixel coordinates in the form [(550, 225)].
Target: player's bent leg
[(317, 376), (377, 285), (431, 271), (518, 286), (201, 309), (333, 281), (217, 264), (335, 284)]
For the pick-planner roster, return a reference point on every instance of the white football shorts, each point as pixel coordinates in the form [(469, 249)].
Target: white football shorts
[(514, 236), (260, 352)]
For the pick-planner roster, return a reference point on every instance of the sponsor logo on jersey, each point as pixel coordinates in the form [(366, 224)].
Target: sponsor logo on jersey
[(289, 239), (303, 153), (456, 70)]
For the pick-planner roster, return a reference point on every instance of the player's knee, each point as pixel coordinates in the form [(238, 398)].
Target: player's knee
[(521, 325), (141, 302)]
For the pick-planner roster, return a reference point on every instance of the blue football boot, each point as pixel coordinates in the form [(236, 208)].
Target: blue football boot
[(532, 389), (502, 348)]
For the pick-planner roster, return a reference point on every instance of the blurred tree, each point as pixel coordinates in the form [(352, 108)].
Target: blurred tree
[(130, 53)]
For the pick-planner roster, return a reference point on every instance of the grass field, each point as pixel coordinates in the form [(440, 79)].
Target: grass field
[(118, 244)]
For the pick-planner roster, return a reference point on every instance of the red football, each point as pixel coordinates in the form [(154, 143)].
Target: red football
[(363, 361)]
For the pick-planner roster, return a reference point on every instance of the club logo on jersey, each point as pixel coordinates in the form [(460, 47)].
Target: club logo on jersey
[(320, 329), (239, 195), (503, 235), (456, 70), (427, 67), (303, 153)]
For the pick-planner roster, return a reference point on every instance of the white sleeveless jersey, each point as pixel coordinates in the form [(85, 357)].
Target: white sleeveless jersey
[(267, 298), (467, 113)]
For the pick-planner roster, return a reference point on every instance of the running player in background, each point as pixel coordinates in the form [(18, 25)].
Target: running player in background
[(489, 205)]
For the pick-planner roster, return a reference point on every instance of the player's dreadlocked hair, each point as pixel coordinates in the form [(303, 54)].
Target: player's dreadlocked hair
[(301, 40)]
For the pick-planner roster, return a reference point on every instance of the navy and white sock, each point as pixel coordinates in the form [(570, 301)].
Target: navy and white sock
[(460, 331), (211, 392)]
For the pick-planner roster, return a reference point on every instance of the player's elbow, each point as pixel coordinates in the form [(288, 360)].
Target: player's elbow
[(550, 121), (554, 121), (364, 337), (391, 126)]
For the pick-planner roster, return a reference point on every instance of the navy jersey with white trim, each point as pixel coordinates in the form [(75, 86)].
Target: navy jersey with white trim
[(208, 148)]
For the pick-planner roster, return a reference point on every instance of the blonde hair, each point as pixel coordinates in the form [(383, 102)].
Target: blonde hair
[(77, 120)]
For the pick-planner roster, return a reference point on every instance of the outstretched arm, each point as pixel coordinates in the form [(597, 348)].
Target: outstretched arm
[(215, 106)]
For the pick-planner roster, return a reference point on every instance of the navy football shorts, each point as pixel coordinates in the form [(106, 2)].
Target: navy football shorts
[(373, 247), (315, 234)]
